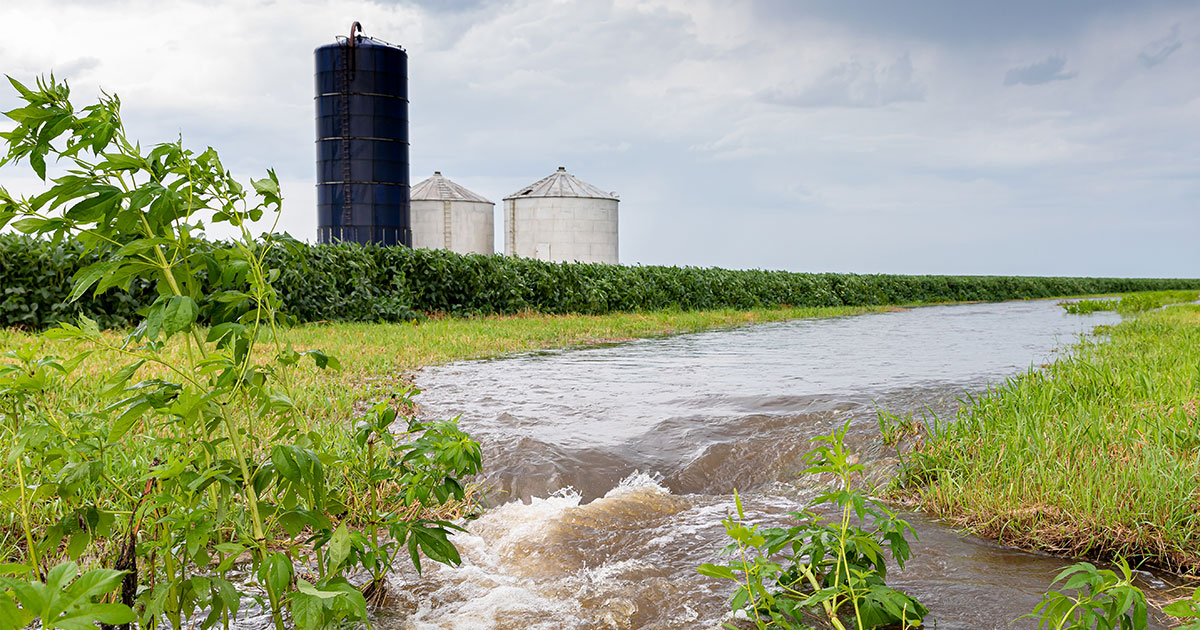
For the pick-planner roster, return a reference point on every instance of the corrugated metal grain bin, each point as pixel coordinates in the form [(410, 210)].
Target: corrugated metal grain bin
[(561, 218), (362, 142), (446, 215)]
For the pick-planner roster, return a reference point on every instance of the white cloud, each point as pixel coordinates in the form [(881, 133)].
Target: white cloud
[(733, 131)]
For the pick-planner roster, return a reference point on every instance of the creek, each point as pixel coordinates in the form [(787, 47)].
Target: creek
[(611, 466)]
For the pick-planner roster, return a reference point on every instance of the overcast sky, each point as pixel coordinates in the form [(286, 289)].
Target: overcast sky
[(1018, 137)]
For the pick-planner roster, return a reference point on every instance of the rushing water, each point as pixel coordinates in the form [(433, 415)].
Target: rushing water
[(612, 466)]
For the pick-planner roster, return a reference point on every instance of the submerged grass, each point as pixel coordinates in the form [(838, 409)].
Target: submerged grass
[(1098, 455), (1132, 302)]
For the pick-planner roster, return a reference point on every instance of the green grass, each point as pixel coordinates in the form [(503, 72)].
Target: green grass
[(1098, 455), (1133, 302)]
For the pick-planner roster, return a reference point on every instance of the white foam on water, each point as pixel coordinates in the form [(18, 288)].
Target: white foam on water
[(638, 480), (525, 568), (485, 610)]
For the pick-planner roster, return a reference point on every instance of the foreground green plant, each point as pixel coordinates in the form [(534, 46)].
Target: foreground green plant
[(1103, 600), (1188, 609), (176, 476), (67, 600), (837, 567)]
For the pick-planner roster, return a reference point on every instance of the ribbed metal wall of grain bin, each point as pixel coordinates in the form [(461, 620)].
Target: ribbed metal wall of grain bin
[(446, 215), (561, 218), (362, 142)]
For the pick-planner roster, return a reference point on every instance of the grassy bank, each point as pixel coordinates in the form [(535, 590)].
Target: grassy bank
[(1098, 455)]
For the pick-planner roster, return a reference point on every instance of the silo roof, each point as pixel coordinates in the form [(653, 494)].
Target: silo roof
[(561, 184), (438, 188)]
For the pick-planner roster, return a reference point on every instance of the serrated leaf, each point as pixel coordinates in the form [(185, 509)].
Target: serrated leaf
[(86, 277)]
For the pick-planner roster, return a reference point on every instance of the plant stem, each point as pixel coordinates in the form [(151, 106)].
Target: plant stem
[(31, 550)]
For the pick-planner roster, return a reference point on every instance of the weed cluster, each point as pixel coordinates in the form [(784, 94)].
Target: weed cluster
[(187, 466), (833, 570), (837, 566)]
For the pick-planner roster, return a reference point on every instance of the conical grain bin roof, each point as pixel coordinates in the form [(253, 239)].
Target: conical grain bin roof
[(439, 188), (561, 184)]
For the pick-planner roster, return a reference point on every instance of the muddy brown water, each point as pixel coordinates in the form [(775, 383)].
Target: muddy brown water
[(612, 466)]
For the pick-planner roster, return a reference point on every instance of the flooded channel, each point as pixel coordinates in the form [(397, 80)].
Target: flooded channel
[(612, 466)]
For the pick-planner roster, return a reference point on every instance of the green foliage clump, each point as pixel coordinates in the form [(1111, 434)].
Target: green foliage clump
[(35, 276), (835, 566), (1103, 600), (196, 478)]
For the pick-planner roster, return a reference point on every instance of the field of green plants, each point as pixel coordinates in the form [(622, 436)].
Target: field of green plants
[(348, 282)]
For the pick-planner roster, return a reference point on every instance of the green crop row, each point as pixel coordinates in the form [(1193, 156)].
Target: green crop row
[(355, 283)]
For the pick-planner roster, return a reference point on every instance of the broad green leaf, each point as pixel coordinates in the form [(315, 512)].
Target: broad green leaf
[(1182, 608), (94, 583), (85, 617), (93, 208), (179, 314), (304, 586), (339, 547), (308, 611), (11, 617), (86, 277), (28, 225), (717, 571), (126, 420), (285, 463), (61, 574)]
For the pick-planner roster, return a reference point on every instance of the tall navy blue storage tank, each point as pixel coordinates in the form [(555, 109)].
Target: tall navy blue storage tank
[(362, 142)]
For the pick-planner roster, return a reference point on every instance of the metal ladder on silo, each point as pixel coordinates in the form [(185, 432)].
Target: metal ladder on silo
[(347, 67)]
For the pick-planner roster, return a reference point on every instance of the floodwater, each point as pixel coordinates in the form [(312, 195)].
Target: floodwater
[(612, 466)]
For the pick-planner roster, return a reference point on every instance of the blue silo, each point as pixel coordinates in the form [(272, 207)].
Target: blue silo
[(362, 141)]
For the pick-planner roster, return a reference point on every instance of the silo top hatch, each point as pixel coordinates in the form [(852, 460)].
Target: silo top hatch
[(439, 188), (561, 184)]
